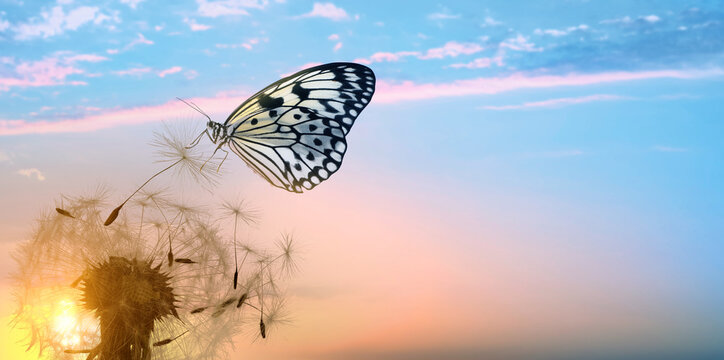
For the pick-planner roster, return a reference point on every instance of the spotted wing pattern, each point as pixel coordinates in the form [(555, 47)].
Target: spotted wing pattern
[(293, 132)]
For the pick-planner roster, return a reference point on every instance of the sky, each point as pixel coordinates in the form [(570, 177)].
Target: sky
[(531, 180)]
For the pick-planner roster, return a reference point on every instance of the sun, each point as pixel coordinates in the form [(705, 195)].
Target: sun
[(66, 324)]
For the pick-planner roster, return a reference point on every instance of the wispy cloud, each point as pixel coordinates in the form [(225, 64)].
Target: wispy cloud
[(444, 14), (133, 71), (563, 32), (249, 44), (327, 10), (139, 40), (123, 117), (628, 20), (661, 148), (392, 92), (489, 21), (139, 71), (337, 46), (132, 3), (557, 102), (450, 49), (32, 172), (519, 43), (387, 92), (480, 63), (228, 7), (50, 71), (56, 21), (169, 71), (194, 26)]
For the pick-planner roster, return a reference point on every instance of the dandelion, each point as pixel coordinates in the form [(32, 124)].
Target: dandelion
[(152, 286)]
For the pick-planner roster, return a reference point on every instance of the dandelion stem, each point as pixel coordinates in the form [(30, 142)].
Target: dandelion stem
[(236, 262), (114, 213)]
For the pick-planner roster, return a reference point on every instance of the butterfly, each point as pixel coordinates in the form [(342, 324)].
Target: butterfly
[(293, 132)]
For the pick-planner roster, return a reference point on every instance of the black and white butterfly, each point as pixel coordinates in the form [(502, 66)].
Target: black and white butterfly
[(293, 132)]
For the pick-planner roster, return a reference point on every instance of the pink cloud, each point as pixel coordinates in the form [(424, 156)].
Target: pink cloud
[(217, 8), (386, 57), (557, 102), (194, 26), (47, 72), (169, 71), (480, 63), (112, 118), (327, 10), (338, 46), (519, 43), (133, 71), (387, 92), (452, 49), (392, 92), (86, 58)]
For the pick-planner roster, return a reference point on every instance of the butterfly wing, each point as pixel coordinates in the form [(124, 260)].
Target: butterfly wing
[(293, 132)]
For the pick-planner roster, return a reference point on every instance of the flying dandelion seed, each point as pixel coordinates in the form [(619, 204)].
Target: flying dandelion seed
[(86, 290)]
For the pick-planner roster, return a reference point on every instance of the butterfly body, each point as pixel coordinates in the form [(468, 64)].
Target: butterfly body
[(293, 132)]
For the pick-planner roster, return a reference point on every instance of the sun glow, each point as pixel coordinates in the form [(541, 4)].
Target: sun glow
[(66, 324)]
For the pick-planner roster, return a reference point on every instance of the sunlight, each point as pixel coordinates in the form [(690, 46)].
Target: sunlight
[(66, 324)]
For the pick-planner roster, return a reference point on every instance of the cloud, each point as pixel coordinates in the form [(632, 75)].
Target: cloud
[(139, 40), (123, 117), (228, 7), (56, 21), (249, 44), (161, 73), (338, 46), (326, 10), (133, 71), (392, 92), (557, 33), (519, 43), (29, 173), (489, 21), (480, 63), (651, 18), (50, 71), (557, 102), (443, 15), (669, 149), (169, 71), (196, 26), (628, 20), (132, 3), (333, 37), (387, 92), (452, 49)]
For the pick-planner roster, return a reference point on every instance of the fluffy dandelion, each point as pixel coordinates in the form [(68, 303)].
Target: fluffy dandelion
[(154, 285)]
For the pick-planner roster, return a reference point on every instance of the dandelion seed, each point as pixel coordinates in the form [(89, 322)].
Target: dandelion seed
[(241, 300), (185, 261), (198, 310), (64, 213)]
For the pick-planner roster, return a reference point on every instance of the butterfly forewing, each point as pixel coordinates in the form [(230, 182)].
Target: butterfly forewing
[(293, 132)]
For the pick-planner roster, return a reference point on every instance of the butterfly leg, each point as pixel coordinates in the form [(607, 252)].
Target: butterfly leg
[(198, 138), (214, 153), (222, 161)]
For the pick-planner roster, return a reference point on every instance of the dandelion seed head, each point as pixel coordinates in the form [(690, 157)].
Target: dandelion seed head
[(172, 147), (74, 272)]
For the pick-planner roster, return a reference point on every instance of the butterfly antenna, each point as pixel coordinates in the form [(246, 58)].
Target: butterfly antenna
[(195, 107), (114, 214)]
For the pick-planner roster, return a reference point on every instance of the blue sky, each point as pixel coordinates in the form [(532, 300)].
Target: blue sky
[(559, 160)]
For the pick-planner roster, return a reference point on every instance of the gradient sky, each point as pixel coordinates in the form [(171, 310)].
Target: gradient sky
[(531, 179)]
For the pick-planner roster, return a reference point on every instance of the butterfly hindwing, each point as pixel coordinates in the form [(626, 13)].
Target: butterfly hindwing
[(293, 132)]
